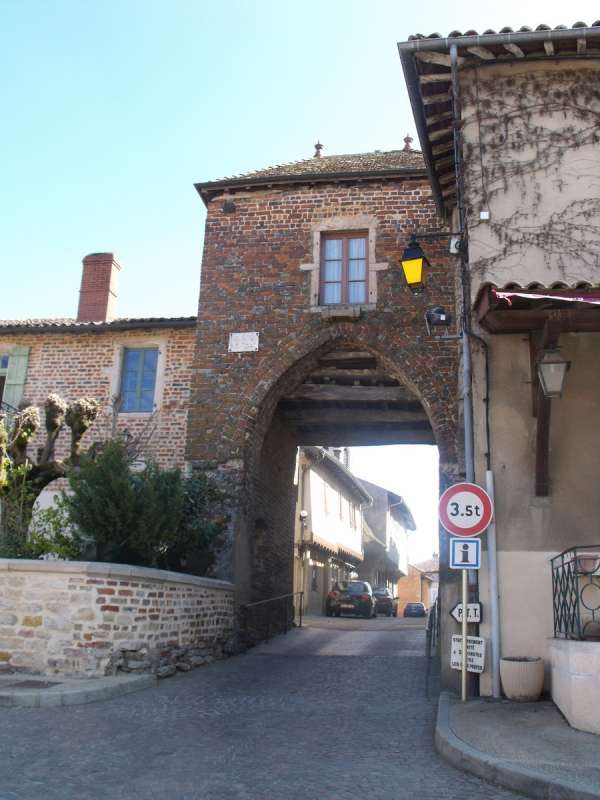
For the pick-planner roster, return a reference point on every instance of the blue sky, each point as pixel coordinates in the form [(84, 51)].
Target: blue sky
[(111, 111)]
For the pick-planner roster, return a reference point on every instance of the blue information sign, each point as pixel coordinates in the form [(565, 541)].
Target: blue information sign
[(465, 553)]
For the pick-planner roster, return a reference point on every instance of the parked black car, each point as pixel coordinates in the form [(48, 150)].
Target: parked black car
[(415, 610), (385, 601), (353, 597)]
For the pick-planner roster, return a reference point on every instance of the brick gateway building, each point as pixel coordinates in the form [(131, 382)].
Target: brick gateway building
[(308, 335)]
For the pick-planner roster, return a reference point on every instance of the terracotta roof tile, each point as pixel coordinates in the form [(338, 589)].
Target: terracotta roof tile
[(69, 323), (352, 162), (506, 29), (378, 162)]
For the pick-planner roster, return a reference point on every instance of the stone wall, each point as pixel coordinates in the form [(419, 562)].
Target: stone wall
[(87, 619)]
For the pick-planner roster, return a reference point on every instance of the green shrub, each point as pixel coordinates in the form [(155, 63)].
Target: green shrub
[(151, 517), (49, 535)]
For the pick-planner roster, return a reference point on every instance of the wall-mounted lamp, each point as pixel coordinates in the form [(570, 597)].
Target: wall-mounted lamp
[(413, 261), (551, 372)]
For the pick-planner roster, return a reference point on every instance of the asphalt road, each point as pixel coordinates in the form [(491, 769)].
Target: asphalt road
[(333, 711)]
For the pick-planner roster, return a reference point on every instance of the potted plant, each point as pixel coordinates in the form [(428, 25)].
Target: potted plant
[(522, 677)]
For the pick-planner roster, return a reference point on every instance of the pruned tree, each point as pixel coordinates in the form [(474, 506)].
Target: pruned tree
[(22, 476)]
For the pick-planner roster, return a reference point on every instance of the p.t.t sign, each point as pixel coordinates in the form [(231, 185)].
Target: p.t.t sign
[(465, 509)]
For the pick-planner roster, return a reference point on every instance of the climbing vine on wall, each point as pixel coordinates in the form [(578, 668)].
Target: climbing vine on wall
[(537, 134)]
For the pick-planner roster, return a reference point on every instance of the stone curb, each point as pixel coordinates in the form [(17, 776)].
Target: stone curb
[(74, 693), (497, 770)]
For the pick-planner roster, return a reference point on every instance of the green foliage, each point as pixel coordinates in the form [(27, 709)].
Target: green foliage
[(17, 498), (198, 535), (50, 535), (152, 517)]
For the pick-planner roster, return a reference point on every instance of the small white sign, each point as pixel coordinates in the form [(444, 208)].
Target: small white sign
[(465, 553), (473, 612), (243, 342), (475, 653)]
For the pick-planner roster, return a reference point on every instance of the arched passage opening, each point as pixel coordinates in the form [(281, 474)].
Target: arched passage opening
[(344, 393)]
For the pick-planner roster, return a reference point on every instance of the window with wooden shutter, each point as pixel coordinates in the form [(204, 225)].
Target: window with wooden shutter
[(16, 374)]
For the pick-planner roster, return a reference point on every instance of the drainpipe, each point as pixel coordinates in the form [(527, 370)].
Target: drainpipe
[(470, 682)]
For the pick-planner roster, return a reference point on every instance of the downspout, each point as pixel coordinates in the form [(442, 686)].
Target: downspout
[(468, 394), (470, 684), (464, 272)]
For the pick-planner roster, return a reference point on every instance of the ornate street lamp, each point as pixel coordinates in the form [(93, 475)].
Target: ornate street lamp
[(551, 372), (413, 260)]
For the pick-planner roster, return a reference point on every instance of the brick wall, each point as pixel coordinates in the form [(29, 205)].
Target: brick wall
[(89, 619), (88, 364), (252, 280), (413, 588)]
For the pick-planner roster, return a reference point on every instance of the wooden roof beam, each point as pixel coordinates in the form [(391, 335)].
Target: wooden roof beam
[(442, 59), (514, 50), (482, 52), (446, 147), (435, 135), (435, 118), (435, 77), (443, 162), (430, 99)]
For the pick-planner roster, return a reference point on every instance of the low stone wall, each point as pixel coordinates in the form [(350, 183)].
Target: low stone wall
[(576, 681), (89, 619)]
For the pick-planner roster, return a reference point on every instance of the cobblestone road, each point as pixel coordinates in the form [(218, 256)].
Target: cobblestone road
[(335, 711)]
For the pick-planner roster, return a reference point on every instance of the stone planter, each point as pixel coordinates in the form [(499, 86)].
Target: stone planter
[(522, 677)]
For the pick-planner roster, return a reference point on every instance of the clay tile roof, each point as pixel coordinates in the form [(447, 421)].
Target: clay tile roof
[(330, 165), (506, 29), (377, 163), (69, 324)]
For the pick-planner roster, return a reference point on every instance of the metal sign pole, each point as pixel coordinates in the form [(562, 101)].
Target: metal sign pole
[(463, 674)]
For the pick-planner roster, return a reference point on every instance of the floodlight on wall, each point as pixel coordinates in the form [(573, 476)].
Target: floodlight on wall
[(436, 316), (551, 371), (413, 262)]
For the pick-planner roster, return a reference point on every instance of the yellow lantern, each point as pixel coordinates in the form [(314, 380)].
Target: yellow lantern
[(413, 262)]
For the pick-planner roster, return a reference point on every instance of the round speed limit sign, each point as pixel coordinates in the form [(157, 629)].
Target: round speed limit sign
[(465, 509)]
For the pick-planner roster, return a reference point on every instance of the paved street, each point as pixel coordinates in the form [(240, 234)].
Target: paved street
[(334, 711)]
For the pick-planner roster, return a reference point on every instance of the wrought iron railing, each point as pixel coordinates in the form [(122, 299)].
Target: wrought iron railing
[(261, 620), (576, 593), (7, 412)]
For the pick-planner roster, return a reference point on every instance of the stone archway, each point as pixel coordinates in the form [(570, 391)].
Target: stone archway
[(339, 389)]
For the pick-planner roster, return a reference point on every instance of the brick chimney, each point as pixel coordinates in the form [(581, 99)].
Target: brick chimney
[(98, 293)]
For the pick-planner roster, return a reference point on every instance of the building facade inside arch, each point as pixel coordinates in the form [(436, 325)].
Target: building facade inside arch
[(309, 335)]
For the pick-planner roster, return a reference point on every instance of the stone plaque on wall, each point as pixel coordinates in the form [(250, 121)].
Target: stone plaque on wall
[(243, 342)]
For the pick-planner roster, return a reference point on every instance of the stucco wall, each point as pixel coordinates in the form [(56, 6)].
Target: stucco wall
[(331, 526), (90, 619), (569, 515), (576, 682), (526, 622), (532, 157)]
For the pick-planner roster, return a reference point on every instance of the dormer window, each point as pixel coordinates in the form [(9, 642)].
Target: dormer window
[(344, 268)]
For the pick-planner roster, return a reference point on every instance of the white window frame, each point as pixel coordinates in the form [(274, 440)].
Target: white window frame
[(141, 343)]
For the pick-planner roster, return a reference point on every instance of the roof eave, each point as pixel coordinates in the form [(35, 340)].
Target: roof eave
[(481, 40), (206, 188), (414, 94), (101, 327)]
